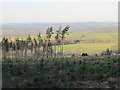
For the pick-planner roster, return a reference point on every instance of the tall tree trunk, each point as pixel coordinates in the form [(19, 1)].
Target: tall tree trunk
[(11, 54), (15, 52), (46, 50), (22, 53), (51, 51), (3, 53), (54, 54), (62, 47), (18, 54), (34, 52), (31, 53), (59, 50), (25, 55)]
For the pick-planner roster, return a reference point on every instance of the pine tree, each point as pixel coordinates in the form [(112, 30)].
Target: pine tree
[(40, 42), (49, 33), (63, 33), (27, 42), (5, 46), (58, 40)]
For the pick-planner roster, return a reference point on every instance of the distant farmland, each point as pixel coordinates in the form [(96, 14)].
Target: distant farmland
[(90, 48), (91, 43)]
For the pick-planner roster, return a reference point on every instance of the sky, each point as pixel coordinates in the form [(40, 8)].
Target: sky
[(58, 11)]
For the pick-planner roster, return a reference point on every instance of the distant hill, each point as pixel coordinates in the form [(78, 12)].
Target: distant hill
[(34, 28)]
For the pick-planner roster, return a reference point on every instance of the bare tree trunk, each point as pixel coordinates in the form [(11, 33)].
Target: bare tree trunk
[(18, 54), (15, 52), (62, 47), (54, 54), (50, 51), (11, 54), (3, 53), (35, 52), (43, 51), (59, 50), (25, 55), (46, 50), (31, 52), (22, 53)]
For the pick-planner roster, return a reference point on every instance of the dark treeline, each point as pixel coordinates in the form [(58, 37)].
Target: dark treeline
[(35, 47)]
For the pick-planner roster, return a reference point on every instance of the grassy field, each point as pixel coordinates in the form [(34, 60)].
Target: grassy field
[(91, 36), (85, 72), (87, 36), (90, 48), (102, 41)]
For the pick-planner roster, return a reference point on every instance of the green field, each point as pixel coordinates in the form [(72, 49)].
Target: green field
[(90, 48), (102, 41), (87, 36)]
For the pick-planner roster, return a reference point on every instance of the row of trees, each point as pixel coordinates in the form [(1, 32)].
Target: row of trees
[(39, 47)]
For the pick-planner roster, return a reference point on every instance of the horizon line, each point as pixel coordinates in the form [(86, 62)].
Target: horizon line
[(59, 22)]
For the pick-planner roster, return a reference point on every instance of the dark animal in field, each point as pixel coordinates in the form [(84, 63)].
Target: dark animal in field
[(84, 54)]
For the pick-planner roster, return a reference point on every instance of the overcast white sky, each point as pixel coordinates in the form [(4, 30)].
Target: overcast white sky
[(59, 11)]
